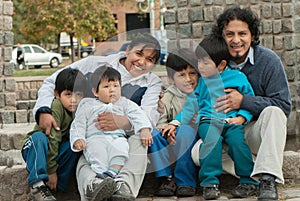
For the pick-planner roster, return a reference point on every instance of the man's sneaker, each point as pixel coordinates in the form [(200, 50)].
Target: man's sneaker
[(167, 188), (244, 190), (211, 192), (123, 193), (41, 193), (267, 189), (101, 189)]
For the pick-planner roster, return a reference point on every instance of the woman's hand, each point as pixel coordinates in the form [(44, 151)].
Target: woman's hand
[(109, 122), (169, 134), (46, 121), (146, 137)]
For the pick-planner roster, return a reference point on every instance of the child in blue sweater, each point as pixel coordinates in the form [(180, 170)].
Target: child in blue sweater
[(217, 127)]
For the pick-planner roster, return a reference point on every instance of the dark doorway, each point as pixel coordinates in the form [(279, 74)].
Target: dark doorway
[(137, 21)]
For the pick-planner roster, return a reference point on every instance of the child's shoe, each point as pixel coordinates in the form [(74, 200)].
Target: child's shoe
[(211, 192), (185, 191), (244, 190), (41, 193), (167, 188)]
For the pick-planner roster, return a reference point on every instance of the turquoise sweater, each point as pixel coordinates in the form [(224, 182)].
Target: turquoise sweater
[(208, 90)]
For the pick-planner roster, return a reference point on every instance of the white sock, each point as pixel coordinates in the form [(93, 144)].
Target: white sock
[(37, 184)]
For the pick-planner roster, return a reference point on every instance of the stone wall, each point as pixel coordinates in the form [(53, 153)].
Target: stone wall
[(17, 98), (187, 22), (6, 38)]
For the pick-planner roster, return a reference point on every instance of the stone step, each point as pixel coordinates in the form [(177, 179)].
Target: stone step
[(13, 174)]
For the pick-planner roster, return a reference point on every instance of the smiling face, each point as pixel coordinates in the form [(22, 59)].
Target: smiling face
[(108, 91), (69, 99), (139, 60), (185, 80), (238, 38)]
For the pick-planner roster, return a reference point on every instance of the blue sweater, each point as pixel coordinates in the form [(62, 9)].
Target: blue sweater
[(208, 90), (269, 82)]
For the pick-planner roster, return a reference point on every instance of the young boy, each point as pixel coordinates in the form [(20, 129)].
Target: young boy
[(216, 127), (49, 159), (183, 77), (106, 151)]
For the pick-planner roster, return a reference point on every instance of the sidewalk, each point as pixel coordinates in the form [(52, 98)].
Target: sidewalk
[(285, 194)]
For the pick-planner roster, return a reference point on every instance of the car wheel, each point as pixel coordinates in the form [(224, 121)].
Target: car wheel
[(38, 66), (54, 63), (84, 54)]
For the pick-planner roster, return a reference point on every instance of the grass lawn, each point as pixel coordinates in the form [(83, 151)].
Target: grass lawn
[(34, 72), (47, 71)]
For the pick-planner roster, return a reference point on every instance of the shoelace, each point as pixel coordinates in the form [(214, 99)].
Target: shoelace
[(267, 184), (44, 191)]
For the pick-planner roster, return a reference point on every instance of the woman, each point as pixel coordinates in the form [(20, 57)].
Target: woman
[(139, 85)]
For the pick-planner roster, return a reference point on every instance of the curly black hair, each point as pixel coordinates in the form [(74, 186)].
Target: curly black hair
[(243, 14)]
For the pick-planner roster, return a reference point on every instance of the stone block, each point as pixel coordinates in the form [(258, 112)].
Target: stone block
[(24, 95), (7, 53), (208, 14), (183, 15), (291, 165), (9, 38), (2, 100), (2, 85), (16, 139), (31, 117), (33, 94), (32, 104), (13, 183), (170, 16), (6, 143), (21, 116), (8, 116), (10, 99), (22, 105), (7, 25), (10, 85), (8, 69), (8, 8), (27, 85)]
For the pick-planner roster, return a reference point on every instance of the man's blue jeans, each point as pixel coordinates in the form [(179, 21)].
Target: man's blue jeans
[(35, 154)]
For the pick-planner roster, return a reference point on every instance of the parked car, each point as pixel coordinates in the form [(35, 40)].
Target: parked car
[(163, 53), (37, 56), (66, 50)]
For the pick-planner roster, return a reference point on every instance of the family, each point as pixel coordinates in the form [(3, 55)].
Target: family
[(105, 116)]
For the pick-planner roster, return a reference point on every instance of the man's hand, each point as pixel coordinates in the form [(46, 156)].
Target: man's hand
[(231, 101), (46, 122), (52, 183), (109, 122)]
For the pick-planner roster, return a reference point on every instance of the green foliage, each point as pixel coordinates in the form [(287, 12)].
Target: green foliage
[(42, 20)]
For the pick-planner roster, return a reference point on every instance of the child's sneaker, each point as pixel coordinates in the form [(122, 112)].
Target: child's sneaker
[(244, 190), (41, 193), (211, 192)]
